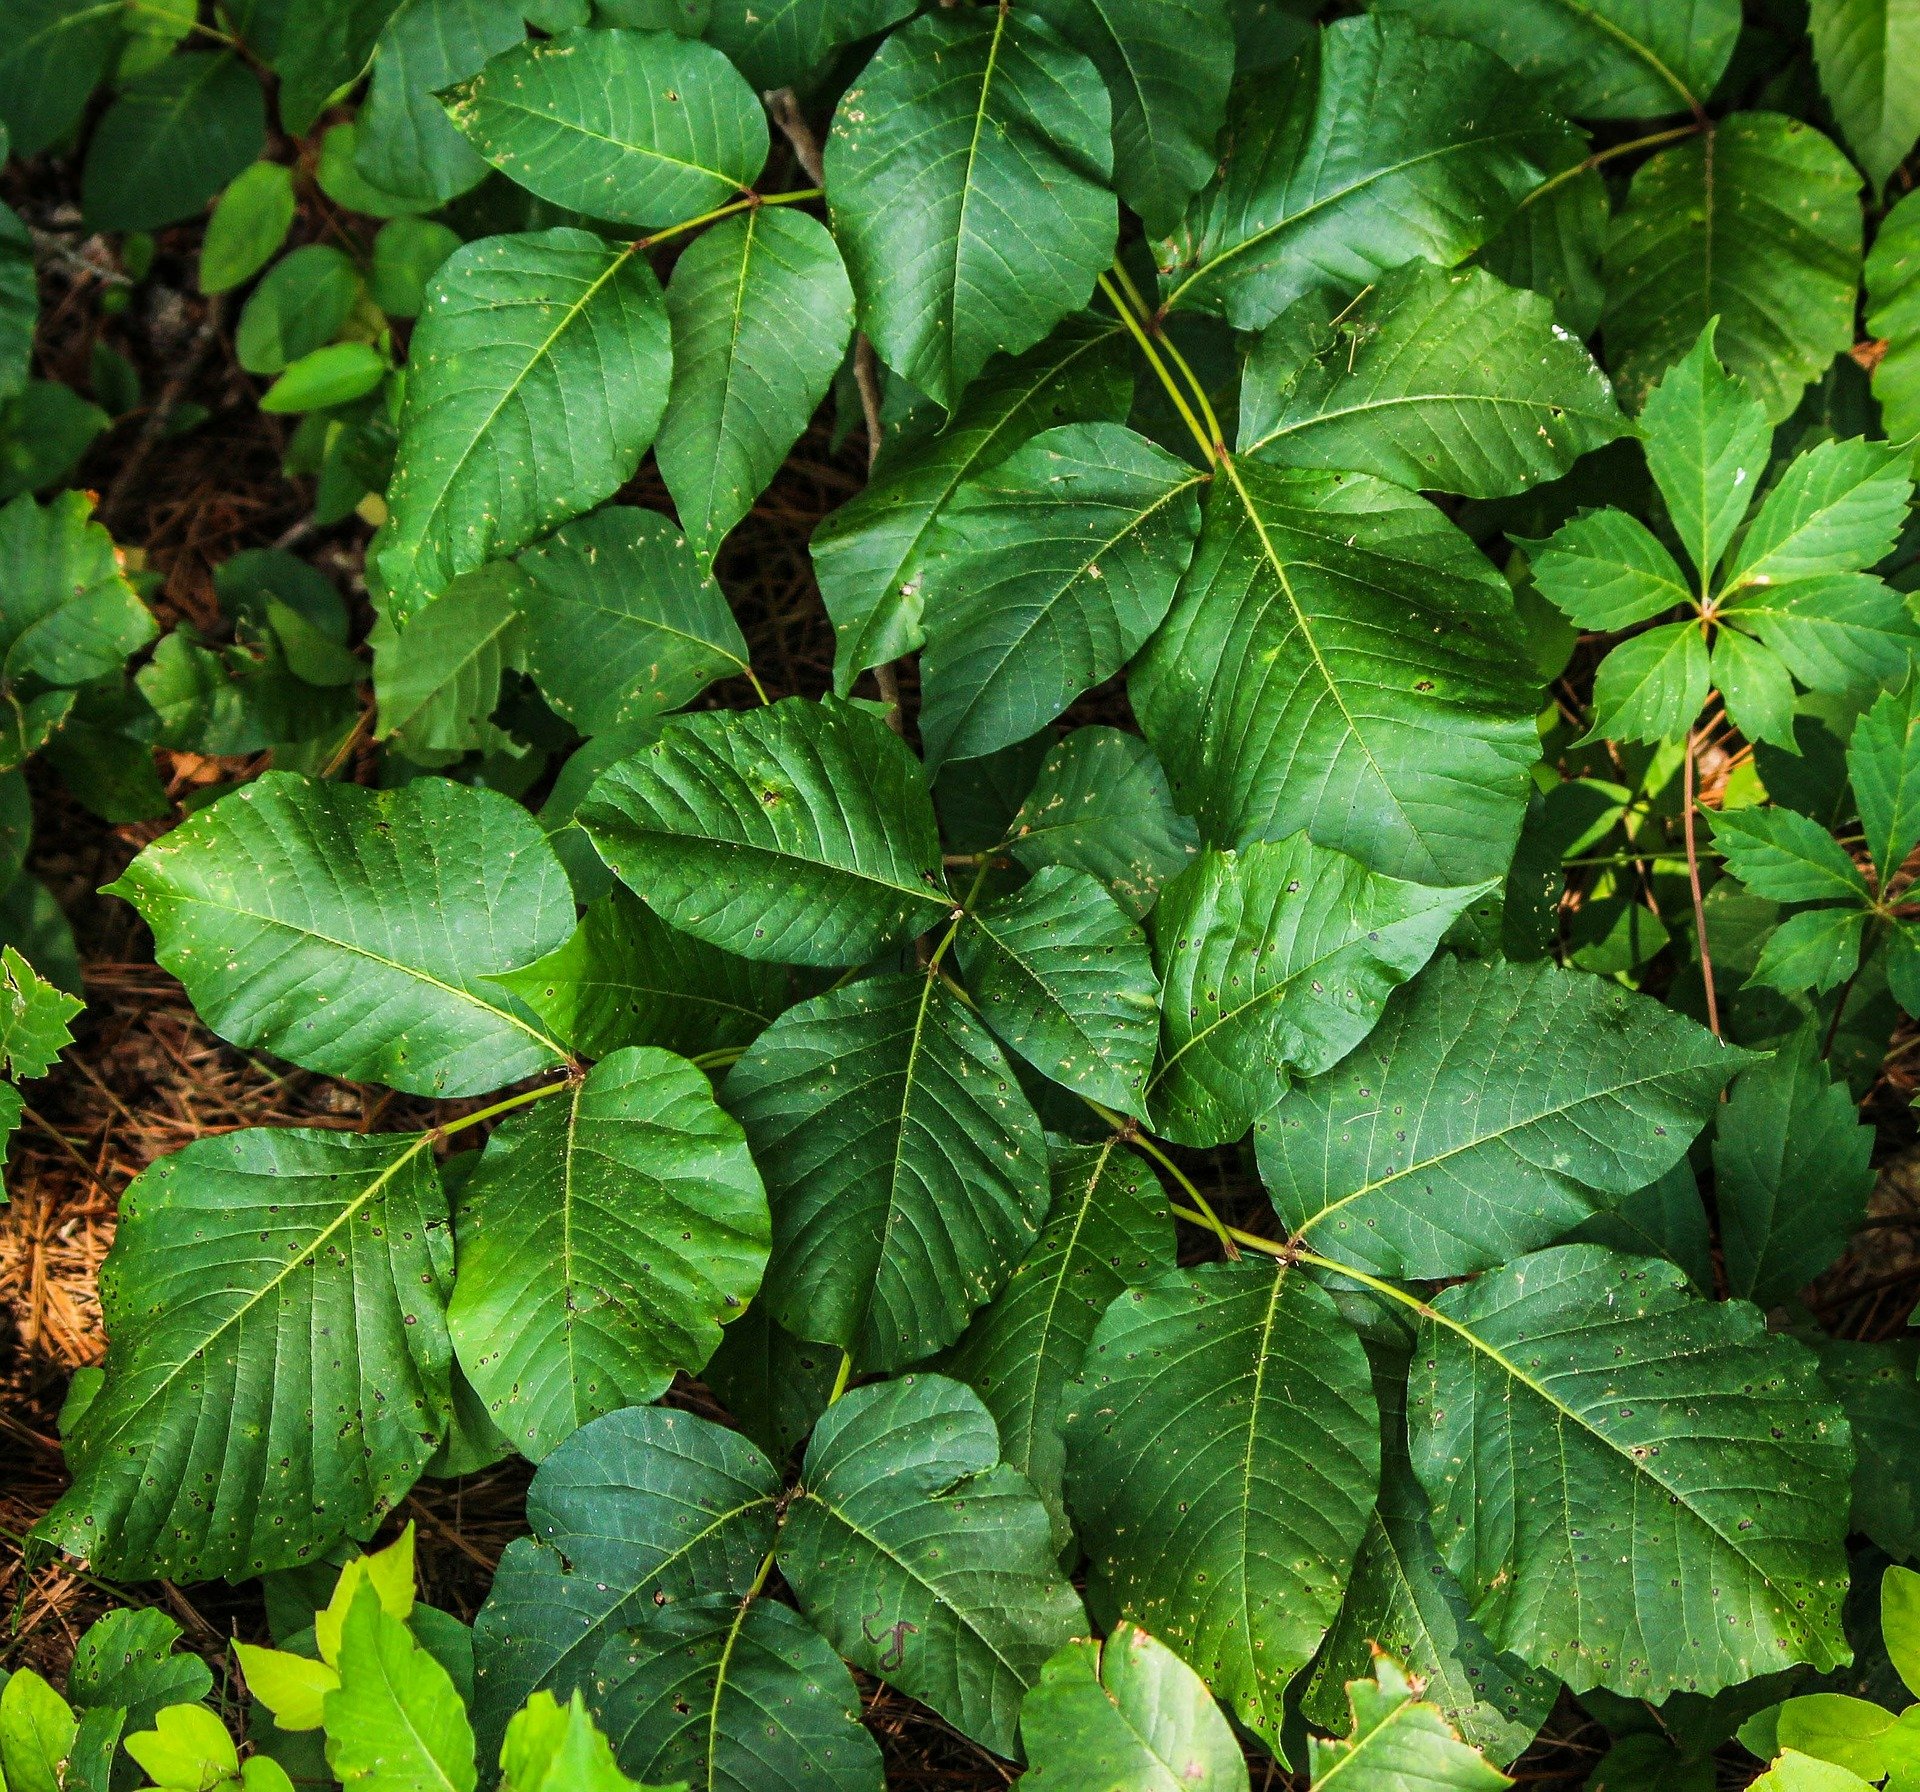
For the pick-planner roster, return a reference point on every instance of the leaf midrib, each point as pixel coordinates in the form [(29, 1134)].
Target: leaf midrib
[(644, 150), (1372, 407)]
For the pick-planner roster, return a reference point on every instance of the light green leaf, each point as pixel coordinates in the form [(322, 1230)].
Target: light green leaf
[(258, 1278), (1676, 1452), (1830, 1726), (247, 227), (1340, 658), (1756, 686), (1167, 65), (1795, 1772), (188, 1748), (761, 312), (395, 906), (1436, 380), (298, 306), (1817, 949), (1493, 1108), (1062, 974), (1377, 145), (637, 1510), (33, 1018), (126, 1661), (1276, 961), (1789, 857), (1100, 804), (1845, 633), (395, 1723), (790, 43), (869, 555), (800, 833), (535, 381), (1836, 509), (604, 1239), (339, 177), (1791, 1172), (907, 1171), (54, 56), (1900, 1623), (966, 175), (437, 677), (1043, 576), (1867, 51), (624, 622), (906, 1516), (1707, 441), (37, 1733), (1107, 1230), (1399, 1743), (171, 140), (1764, 232), (1127, 1713), (624, 977), (1607, 570), (734, 1695), (67, 613), (555, 1748), (1883, 766), (1893, 315), (334, 375), (1652, 687), (1223, 1452), (1596, 58), (642, 127)]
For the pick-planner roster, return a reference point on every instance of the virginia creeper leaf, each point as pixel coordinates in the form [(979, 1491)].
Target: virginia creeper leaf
[(1399, 1741)]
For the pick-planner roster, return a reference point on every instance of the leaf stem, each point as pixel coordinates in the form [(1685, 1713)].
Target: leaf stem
[(526, 1096), (1125, 282), (759, 690), (1687, 806), (841, 1379), (1167, 380), (748, 202), (1291, 1253), (1228, 1236), (719, 1058), (1692, 128)]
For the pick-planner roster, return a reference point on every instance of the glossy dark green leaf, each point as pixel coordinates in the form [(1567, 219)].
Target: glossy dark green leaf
[(1377, 145), (126, 1660), (773, 1385), (1492, 1109), (907, 1171), (437, 679), (174, 137), (792, 42), (323, 49), (353, 931), (1845, 633), (54, 55), (258, 1281), (1340, 658), (1223, 1452), (924, 1559), (1553, 244), (67, 613), (1835, 509), (1893, 316), (1883, 765), (1817, 949), (1864, 50), (967, 175), (1665, 1219), (1607, 570), (1678, 1457), (1276, 961), (1875, 1383), (800, 833), (1436, 380)]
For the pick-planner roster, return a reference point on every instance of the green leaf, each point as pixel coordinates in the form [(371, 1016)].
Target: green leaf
[(1845, 633), (1652, 687), (33, 1018), (536, 379), (1399, 1742), (870, 554), (126, 1661), (1817, 949), (1599, 58), (906, 1169), (966, 175), (54, 56), (1223, 1452), (1883, 765), (643, 128), (407, 253), (339, 177), (800, 832), (67, 613), (188, 1749), (924, 1559), (1791, 1172), (1436, 380), (1276, 960), (395, 1721), (637, 1510), (1874, 1384), (334, 375), (437, 678), (1401, 1599), (1377, 145), (1835, 1727), (1756, 686), (1107, 1230), (1553, 244), (1673, 1446), (297, 307), (604, 1239), (554, 1748), (761, 312), (1900, 1622), (19, 303), (1607, 570), (623, 621), (1837, 508), (1789, 857), (1795, 1772), (1893, 315), (37, 1731), (323, 49), (258, 1279), (1764, 232), (1285, 689), (1127, 1713), (1043, 576), (773, 1385), (1167, 68), (1063, 975), (734, 1696), (1493, 1108), (1706, 442), (790, 44), (624, 977), (353, 931), (247, 227), (1866, 52), (1101, 805), (174, 137)]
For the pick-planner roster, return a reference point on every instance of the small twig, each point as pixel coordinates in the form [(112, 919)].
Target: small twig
[(1693, 878), (164, 406)]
